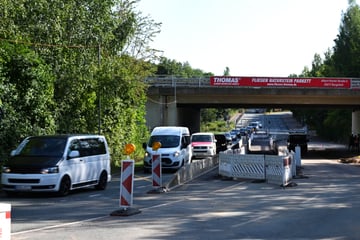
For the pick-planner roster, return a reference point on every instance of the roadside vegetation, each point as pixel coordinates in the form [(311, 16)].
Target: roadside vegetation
[(342, 60), (79, 67)]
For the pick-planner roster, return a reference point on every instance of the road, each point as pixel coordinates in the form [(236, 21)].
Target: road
[(323, 204)]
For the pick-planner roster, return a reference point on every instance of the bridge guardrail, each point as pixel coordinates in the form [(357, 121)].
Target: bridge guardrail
[(178, 81), (173, 81)]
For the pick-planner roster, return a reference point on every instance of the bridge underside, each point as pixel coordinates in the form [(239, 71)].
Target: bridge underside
[(184, 103), (235, 97)]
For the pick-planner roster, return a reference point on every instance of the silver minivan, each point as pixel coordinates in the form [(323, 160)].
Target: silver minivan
[(57, 163)]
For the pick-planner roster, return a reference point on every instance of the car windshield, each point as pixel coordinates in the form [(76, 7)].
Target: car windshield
[(167, 141), (201, 138), (38, 146)]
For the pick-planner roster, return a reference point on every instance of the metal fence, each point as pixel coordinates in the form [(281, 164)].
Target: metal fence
[(172, 81)]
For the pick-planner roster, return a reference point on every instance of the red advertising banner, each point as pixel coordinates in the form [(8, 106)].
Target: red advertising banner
[(280, 82)]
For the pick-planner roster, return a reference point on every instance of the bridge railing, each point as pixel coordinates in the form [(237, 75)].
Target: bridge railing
[(174, 81)]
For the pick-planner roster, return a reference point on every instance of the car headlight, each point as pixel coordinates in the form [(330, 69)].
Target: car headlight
[(49, 170), (147, 154), (176, 154), (6, 169)]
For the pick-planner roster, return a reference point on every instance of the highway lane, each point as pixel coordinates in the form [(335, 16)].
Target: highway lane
[(320, 206), (34, 211), (323, 205)]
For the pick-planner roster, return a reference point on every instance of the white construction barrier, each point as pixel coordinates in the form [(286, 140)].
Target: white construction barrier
[(241, 165), (278, 169), (5, 221), (272, 168), (298, 156)]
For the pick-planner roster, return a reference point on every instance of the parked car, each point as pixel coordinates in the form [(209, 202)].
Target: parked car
[(221, 142), (203, 144), (57, 163)]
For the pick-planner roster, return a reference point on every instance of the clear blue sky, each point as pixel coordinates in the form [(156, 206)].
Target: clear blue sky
[(251, 37)]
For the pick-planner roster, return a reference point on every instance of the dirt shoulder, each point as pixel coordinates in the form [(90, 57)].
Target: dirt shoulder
[(352, 160)]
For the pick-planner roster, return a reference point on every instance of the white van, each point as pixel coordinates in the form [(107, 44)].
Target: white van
[(175, 147), (203, 144), (57, 163)]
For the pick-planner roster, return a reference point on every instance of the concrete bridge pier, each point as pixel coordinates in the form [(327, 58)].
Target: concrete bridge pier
[(355, 123), (163, 111)]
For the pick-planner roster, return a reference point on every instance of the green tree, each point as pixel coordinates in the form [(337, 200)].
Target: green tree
[(346, 51), (174, 68), (26, 90), (340, 61), (98, 54), (227, 71)]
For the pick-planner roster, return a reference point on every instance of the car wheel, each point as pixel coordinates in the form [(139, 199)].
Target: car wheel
[(65, 186), (102, 181)]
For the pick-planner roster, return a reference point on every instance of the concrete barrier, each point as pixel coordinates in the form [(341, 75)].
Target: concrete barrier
[(191, 171)]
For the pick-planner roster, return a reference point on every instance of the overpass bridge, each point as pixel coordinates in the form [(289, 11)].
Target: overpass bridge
[(177, 101)]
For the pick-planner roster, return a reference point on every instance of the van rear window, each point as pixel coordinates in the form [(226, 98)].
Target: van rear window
[(88, 146)]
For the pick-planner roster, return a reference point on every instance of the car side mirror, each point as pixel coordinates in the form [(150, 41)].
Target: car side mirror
[(74, 154), (13, 153)]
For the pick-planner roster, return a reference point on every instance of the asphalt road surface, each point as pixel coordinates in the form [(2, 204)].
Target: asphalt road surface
[(323, 203)]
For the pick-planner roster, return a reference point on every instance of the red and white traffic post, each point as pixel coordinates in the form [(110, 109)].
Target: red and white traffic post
[(156, 170), (127, 182), (126, 185), (5, 221)]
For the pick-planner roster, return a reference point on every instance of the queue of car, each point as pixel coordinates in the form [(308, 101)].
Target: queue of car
[(178, 148)]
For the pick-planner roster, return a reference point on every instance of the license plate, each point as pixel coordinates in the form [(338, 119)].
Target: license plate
[(23, 188)]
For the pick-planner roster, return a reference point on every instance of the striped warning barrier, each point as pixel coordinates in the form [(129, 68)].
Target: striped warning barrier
[(156, 171), (5, 221), (278, 169), (272, 168), (126, 187), (241, 165)]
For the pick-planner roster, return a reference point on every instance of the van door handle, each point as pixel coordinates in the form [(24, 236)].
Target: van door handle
[(81, 160)]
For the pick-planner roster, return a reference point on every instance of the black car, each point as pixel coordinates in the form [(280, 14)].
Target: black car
[(298, 139), (221, 142)]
